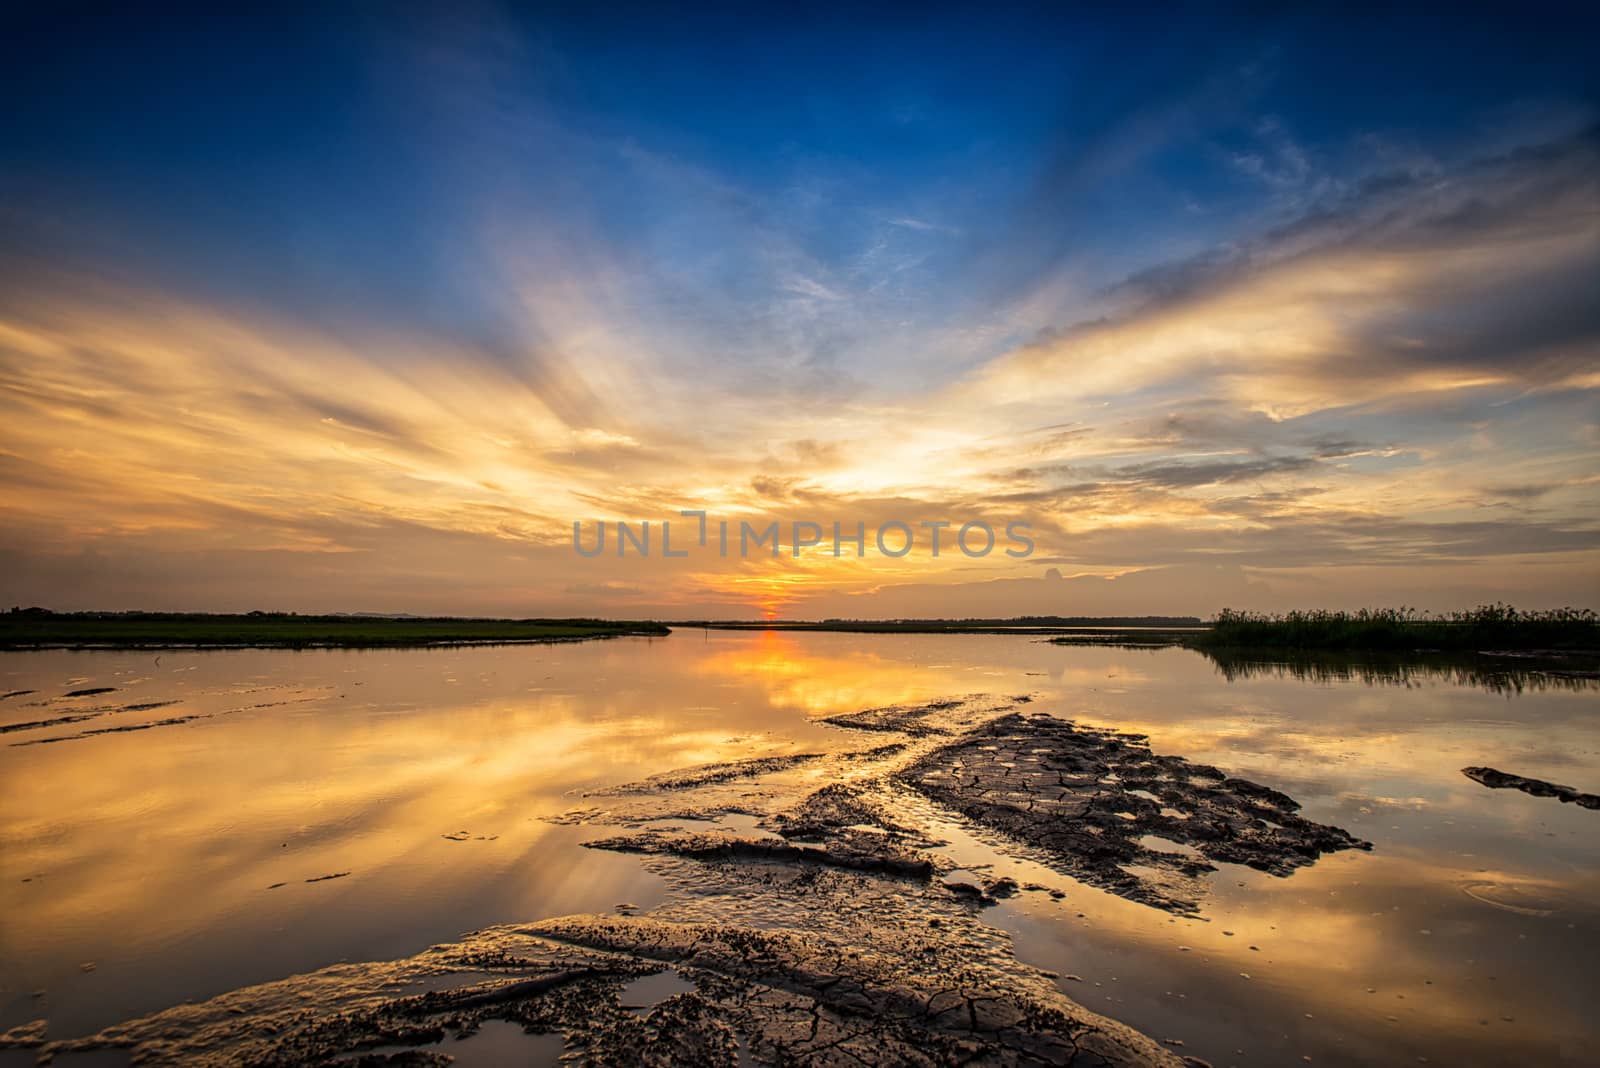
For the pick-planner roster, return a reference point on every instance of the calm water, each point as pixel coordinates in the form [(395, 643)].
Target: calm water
[(140, 869)]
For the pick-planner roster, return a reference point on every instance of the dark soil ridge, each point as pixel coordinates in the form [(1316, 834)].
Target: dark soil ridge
[(706, 774), (919, 721), (856, 850), (1075, 794), (778, 997), (1495, 779)]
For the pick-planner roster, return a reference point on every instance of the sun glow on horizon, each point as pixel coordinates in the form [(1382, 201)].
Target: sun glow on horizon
[(1234, 361)]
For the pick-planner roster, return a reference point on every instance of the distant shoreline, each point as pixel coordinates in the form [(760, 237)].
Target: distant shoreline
[(161, 630), (1487, 628), (1086, 626), (1499, 629)]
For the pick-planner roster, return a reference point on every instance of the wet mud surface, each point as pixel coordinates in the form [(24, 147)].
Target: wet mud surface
[(815, 912), (707, 774), (1087, 799), (1495, 779), (746, 996)]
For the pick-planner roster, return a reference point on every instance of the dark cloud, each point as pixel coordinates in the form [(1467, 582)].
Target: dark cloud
[(1521, 493), (1178, 475), (779, 489), (1285, 540), (1506, 278)]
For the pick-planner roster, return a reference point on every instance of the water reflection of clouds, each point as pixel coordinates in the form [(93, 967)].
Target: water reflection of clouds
[(1339, 948), (155, 848)]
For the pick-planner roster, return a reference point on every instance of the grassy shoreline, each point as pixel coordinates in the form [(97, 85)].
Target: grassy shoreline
[(1498, 628), (1495, 627), (141, 630)]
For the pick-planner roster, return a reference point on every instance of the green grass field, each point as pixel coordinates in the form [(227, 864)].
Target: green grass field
[(33, 628)]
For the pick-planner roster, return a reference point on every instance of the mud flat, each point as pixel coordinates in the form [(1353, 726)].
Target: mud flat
[(771, 996), (815, 913), (1087, 799)]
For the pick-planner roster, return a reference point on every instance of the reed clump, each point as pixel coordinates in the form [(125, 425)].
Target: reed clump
[(1487, 627)]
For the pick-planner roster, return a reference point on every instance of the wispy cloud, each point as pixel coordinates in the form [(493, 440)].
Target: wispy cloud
[(1385, 367)]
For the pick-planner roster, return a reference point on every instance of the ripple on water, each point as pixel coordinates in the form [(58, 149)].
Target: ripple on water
[(1521, 896)]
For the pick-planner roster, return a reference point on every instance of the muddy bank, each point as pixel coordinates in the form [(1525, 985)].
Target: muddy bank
[(706, 774), (919, 721), (1503, 780), (845, 848), (1092, 801), (773, 997)]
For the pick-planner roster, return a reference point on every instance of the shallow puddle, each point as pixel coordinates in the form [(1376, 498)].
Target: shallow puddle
[(645, 993), (501, 1044)]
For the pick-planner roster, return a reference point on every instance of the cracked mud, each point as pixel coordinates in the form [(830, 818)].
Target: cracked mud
[(1086, 798), (777, 996), (814, 913)]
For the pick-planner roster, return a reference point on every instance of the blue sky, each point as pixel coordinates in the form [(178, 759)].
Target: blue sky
[(783, 228), (318, 159)]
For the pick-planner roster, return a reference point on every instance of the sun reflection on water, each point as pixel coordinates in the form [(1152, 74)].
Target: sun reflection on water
[(176, 859)]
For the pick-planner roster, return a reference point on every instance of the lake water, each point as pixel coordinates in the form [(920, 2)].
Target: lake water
[(144, 868)]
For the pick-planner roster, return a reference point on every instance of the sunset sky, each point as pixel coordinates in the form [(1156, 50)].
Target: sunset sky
[(360, 312)]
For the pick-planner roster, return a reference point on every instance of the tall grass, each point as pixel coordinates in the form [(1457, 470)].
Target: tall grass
[(1490, 626)]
